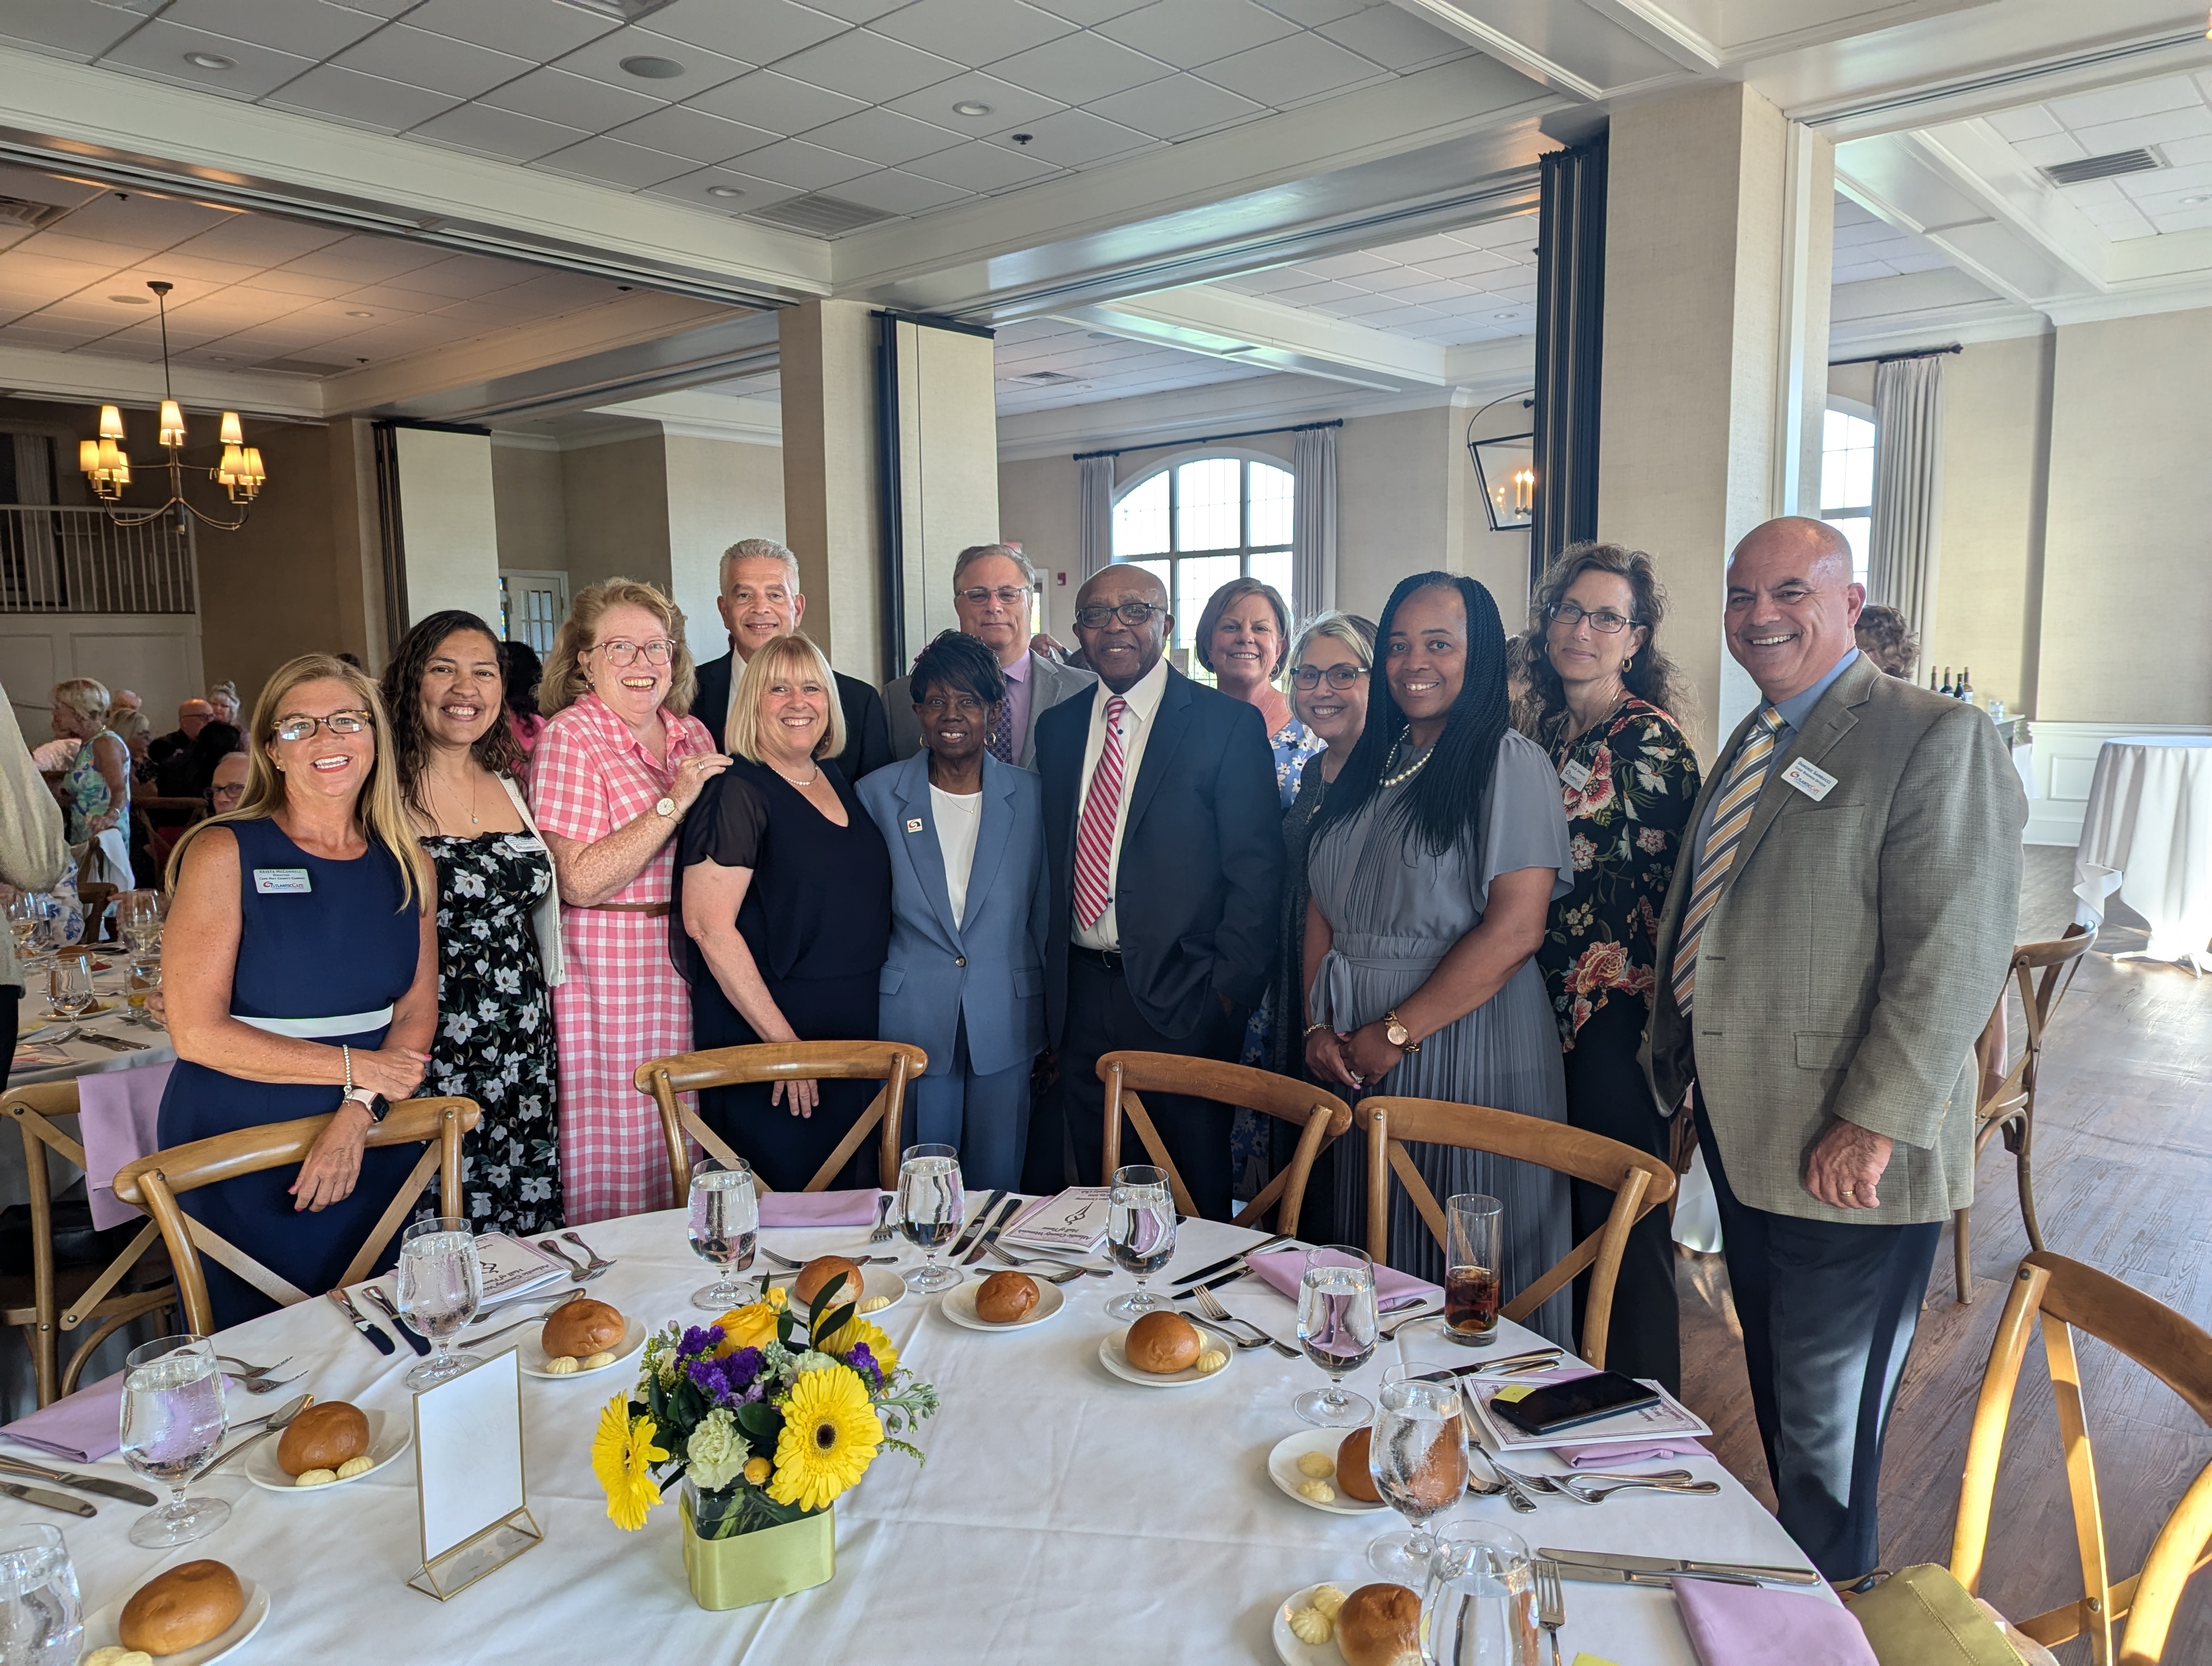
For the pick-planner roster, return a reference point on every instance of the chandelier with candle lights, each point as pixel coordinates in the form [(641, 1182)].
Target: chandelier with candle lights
[(106, 465)]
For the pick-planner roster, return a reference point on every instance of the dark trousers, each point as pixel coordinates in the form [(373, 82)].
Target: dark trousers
[(1102, 1018), (1829, 1312), (1607, 1094), (11, 1014)]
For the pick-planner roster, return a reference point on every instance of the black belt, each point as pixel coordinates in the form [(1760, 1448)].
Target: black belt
[(1111, 959)]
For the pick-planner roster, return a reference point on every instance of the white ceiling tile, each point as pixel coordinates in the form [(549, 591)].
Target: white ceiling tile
[(1314, 13), (1282, 72), (1076, 138), (228, 273), (2183, 153), (1362, 305), (159, 49), (493, 133), (760, 31), (1313, 295), (284, 283), (858, 11), (612, 162), (2054, 148), (1190, 33), (421, 59), (681, 132), (142, 219), (882, 135), (808, 167), (1175, 108), (2030, 121), (461, 277), (367, 259), (96, 255), (697, 190), (1353, 266), (972, 31), (872, 68), (602, 60), (898, 193), (1006, 102), (572, 101), (68, 29), (1473, 263), (2194, 122), (2141, 98), (975, 165), (262, 238), (1088, 13), (308, 27), (1079, 68), (1394, 38), (528, 29), (776, 102), (388, 106), (1416, 250)]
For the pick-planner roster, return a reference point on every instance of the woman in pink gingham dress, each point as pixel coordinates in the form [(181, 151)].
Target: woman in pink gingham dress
[(612, 775)]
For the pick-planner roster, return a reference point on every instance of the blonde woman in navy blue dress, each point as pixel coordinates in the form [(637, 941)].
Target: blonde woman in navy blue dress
[(300, 976)]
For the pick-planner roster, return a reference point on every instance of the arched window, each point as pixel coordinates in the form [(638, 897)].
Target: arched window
[(1847, 481), (1198, 522)]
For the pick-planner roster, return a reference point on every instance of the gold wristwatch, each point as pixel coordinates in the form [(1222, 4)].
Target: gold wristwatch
[(1394, 1032)]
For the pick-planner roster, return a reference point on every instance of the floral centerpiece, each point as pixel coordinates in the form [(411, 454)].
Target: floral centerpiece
[(767, 1421)]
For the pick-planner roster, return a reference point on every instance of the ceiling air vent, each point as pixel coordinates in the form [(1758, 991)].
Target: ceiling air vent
[(1042, 378), (824, 217), (2103, 167), (14, 211)]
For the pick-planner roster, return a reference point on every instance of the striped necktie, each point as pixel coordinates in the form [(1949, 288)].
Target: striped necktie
[(1731, 816), (1094, 833)]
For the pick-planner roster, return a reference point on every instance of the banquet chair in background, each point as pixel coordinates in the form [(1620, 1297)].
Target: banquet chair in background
[(155, 1183), (2007, 1102), (892, 1063), (2066, 1295), (52, 1299), (1320, 1115), (98, 927), (1639, 1181)]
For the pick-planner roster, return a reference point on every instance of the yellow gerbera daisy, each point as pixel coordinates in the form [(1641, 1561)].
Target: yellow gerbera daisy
[(752, 1326), (856, 1331), (621, 1454), (831, 1436)]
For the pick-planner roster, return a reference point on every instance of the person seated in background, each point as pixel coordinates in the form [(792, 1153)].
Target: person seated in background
[(188, 774), (227, 784), (223, 698), (1885, 638), (521, 668), (192, 716), (136, 734)]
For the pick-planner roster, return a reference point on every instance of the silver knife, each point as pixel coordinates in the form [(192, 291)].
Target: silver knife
[(384, 1344), (38, 1495), (114, 1044), (113, 1489), (1228, 1261), (1589, 1573), (990, 1234), (967, 1234), (1666, 1565)]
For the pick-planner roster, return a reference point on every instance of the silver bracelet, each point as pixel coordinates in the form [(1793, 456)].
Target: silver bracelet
[(345, 1053)]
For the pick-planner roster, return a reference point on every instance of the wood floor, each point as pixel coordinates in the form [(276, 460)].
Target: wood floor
[(2124, 1182)]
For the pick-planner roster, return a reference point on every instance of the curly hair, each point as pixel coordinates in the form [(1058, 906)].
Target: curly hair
[(1652, 676), (565, 683), (956, 660), (1885, 638), (495, 749)]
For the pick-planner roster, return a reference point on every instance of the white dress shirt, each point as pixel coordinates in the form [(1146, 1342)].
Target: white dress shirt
[(959, 817), (1143, 698)]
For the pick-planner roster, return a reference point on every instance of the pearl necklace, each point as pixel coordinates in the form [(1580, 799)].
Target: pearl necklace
[(1411, 770)]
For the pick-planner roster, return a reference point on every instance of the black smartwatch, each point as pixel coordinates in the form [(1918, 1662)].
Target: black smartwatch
[(369, 1100)]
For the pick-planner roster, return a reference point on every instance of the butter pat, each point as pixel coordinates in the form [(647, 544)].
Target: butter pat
[(356, 1466), (315, 1478), (114, 1655), (875, 1304), (1319, 1491), (1211, 1361), (1328, 1599), (561, 1365), (604, 1357), (1311, 1626), (1589, 1659), (1319, 1464)]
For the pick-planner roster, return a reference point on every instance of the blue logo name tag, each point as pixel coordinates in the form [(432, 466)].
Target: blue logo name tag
[(282, 881)]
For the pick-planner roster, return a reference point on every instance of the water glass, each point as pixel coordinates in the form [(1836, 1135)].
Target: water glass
[(1481, 1605), (138, 918), (1337, 1330), (25, 912), (1140, 1232), (69, 986), (440, 1287), (724, 1229), (931, 1203), (143, 978), (41, 1615), (172, 1423), (1472, 1225), (1417, 1457)]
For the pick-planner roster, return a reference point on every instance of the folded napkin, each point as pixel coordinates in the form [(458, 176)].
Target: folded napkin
[(82, 1427), (119, 1116), (1634, 1451), (1283, 1268), (853, 1208), (39, 1058), (1754, 1626)]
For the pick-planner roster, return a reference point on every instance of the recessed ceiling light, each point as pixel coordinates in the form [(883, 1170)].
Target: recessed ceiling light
[(970, 107), (211, 61), (218, 358), (130, 300), (724, 191), (1504, 315), (360, 315), (653, 69), (2191, 201)]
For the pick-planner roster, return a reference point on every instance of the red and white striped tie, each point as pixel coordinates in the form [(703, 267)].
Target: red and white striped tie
[(1094, 835)]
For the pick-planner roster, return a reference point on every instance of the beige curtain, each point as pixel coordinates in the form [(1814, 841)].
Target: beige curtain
[(1095, 510), (1313, 535), (1908, 489)]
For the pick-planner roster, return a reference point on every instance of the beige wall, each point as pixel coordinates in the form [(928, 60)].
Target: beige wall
[(719, 491), (270, 591), (1037, 509), (615, 506), (530, 509), (450, 530)]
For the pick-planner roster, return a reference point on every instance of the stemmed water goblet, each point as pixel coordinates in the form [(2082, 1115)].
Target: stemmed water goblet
[(69, 986), (724, 1228), (1418, 1458), (1337, 1328), (172, 1422), (42, 1615), (440, 1287), (1140, 1232), (931, 1204)]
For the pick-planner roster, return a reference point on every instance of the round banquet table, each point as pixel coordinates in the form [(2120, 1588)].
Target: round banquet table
[(1063, 1514), (2147, 835)]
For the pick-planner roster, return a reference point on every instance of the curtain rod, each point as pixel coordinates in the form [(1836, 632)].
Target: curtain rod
[(1891, 358), (1214, 439)]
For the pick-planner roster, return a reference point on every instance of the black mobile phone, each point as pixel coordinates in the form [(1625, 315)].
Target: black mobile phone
[(1569, 1405)]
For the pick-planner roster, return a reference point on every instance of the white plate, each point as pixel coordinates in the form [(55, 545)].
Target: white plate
[(958, 1305), (389, 1435), (1115, 1360), (1283, 1470), (531, 1355), (1288, 1649), (874, 1281), (99, 1629)]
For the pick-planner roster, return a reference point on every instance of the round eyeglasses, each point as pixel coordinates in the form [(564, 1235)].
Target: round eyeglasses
[(620, 652), (1572, 614), (1308, 678), (303, 728), (1132, 614)]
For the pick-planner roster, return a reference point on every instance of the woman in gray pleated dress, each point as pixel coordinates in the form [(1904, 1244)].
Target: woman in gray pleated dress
[(1433, 865)]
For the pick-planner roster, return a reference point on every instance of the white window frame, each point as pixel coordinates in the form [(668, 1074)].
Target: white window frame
[(1244, 550), (1862, 513)]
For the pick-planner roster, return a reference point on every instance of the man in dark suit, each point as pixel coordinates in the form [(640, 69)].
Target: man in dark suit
[(759, 601), (1163, 848)]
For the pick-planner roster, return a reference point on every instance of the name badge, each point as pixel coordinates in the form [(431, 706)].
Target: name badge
[(1576, 775), (1815, 782), (914, 824), (524, 844), (282, 881)]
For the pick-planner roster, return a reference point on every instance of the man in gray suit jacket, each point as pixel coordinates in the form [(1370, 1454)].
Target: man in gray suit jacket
[(991, 584), (1833, 941)]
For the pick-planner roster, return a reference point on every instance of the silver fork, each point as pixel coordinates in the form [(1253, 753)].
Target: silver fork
[(1551, 1602), (883, 1234), (1515, 1494), (261, 1385), (791, 1265), (599, 1263), (578, 1274), (998, 1253), (247, 1368), (1209, 1306)]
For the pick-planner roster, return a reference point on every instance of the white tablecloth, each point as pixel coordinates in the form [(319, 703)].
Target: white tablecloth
[(2148, 836), (1063, 1515), (85, 1058)]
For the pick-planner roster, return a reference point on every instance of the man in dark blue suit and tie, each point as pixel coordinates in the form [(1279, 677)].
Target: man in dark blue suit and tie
[(1164, 847)]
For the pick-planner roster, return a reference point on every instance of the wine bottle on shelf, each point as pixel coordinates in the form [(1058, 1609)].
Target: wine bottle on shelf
[(1946, 690), (1966, 684)]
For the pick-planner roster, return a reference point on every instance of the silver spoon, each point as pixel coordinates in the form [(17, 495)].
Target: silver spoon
[(275, 1421)]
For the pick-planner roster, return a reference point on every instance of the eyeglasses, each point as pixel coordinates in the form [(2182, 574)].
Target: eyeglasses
[(1011, 595), (1132, 614), (1308, 677), (624, 653), (230, 793), (1605, 619), (303, 728)]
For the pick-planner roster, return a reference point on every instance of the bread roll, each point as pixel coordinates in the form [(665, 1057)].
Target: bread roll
[(1380, 1625), (1005, 1297), (322, 1437), (581, 1329), (1162, 1343), (818, 1272), (1353, 1474), (184, 1608)]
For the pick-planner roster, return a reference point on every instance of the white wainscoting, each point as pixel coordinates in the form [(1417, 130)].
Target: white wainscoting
[(156, 654), (2065, 763)]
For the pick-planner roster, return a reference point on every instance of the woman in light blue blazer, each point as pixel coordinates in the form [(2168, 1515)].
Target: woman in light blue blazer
[(965, 978)]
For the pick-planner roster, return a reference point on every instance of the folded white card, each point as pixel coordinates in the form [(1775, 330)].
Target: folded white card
[(468, 1453), (513, 1267), (1073, 1221), (1668, 1417)]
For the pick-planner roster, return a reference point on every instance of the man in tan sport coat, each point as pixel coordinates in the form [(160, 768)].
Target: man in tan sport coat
[(1834, 939)]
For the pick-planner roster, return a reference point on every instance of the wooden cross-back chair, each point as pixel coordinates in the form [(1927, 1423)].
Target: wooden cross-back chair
[(1318, 1116), (95, 897), (1639, 1181), (2007, 1108), (155, 1183), (2066, 1295), (54, 1299), (892, 1063)]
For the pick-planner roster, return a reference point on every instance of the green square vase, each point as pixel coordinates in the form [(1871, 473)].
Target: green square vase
[(747, 1568)]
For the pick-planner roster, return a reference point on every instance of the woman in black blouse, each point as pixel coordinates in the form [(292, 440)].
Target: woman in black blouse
[(784, 900)]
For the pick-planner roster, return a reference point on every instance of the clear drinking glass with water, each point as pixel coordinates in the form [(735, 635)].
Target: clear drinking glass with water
[(1336, 1329), (931, 1204), (172, 1423), (70, 987), (440, 1287), (1480, 1609), (724, 1229), (25, 911), (138, 918), (41, 1615), (1140, 1232), (1418, 1458)]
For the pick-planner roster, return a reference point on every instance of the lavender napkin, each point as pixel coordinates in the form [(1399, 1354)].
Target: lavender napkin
[(1282, 1269), (1754, 1626), (118, 1115), (853, 1208), (82, 1427), (1634, 1451)]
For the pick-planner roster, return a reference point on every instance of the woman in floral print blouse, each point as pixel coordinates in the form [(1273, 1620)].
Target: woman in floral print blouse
[(1601, 699)]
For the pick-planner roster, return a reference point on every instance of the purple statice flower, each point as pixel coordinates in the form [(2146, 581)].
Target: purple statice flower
[(697, 1342), (865, 1363), (712, 1376), (743, 1367)]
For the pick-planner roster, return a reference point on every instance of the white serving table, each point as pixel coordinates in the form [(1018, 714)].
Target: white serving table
[(2146, 836)]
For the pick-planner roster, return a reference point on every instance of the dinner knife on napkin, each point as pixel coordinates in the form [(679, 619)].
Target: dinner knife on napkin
[(1621, 1562), (101, 1484), (967, 1233), (1589, 1573), (1228, 1261), (375, 1294), (38, 1495), (353, 1313), (990, 1234)]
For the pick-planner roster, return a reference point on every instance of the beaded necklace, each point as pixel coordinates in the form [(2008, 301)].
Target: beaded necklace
[(1411, 770)]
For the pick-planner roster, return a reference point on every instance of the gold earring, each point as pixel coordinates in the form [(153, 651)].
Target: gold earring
[(1628, 665)]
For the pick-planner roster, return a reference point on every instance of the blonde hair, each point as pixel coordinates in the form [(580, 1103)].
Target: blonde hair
[(129, 723), (781, 657), (379, 811), (565, 683), (87, 699)]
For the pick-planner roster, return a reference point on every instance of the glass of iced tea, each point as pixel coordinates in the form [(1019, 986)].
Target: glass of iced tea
[(1472, 1294)]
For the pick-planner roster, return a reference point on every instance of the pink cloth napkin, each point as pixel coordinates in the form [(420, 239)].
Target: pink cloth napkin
[(83, 1427), (1754, 1626), (1282, 1269), (853, 1208), (119, 1111), (1634, 1451)]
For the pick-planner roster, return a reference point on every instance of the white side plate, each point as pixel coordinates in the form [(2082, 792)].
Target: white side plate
[(389, 1435), (100, 1628), (1112, 1355), (958, 1305)]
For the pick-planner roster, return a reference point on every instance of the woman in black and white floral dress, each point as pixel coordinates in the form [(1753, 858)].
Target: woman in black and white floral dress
[(499, 945)]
